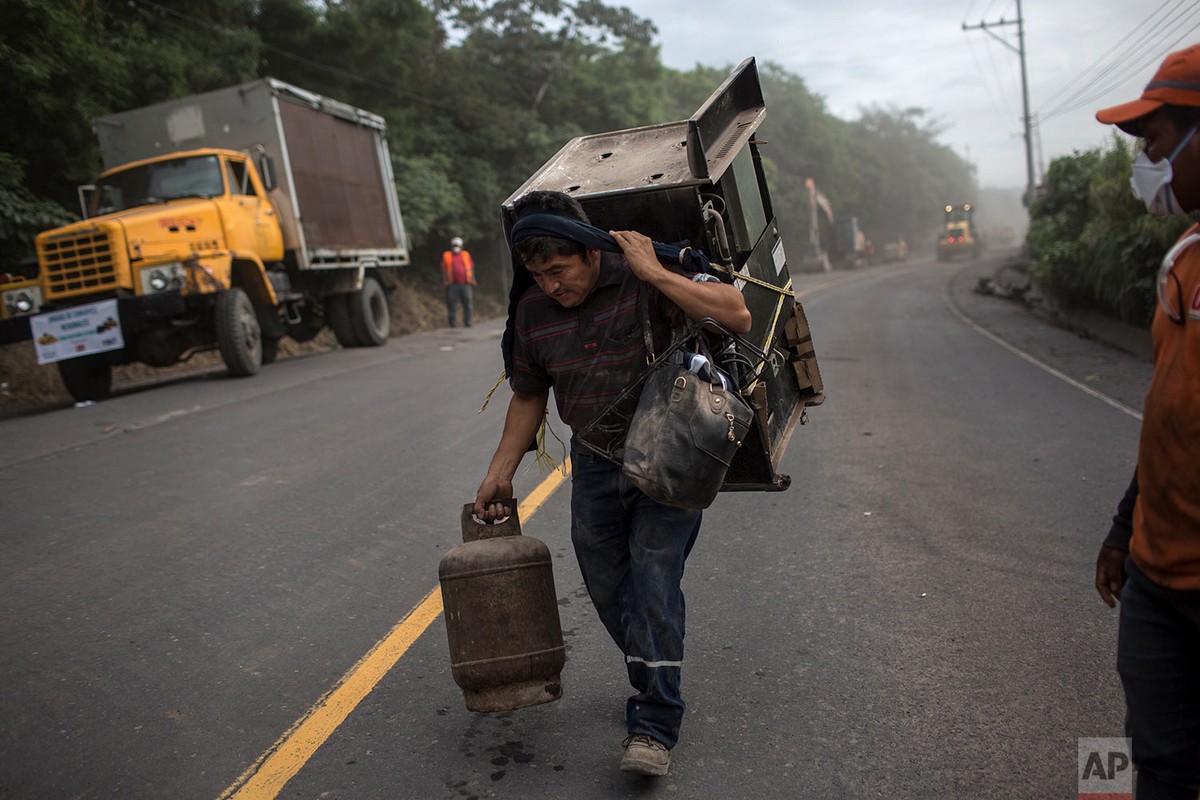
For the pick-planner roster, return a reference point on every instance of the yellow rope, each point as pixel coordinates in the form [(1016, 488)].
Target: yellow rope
[(783, 290), (541, 456), (487, 399), (766, 347)]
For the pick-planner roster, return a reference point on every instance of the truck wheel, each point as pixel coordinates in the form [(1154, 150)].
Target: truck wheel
[(239, 336), (369, 314), (338, 316), (86, 378)]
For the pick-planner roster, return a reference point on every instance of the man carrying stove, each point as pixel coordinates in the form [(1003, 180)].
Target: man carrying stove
[(575, 325)]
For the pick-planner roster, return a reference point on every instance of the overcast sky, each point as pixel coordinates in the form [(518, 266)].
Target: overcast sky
[(857, 53)]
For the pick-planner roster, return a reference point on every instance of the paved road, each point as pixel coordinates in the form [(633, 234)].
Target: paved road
[(188, 569)]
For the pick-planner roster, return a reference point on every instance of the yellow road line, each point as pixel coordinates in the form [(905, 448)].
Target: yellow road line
[(267, 776)]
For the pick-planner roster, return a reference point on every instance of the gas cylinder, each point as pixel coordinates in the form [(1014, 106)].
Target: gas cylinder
[(506, 642)]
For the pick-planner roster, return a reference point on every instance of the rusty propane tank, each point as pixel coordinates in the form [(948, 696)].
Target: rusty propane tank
[(506, 642)]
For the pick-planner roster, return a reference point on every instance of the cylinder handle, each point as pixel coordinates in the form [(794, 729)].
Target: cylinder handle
[(474, 528)]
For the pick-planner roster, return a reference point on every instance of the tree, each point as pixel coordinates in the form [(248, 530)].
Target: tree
[(477, 94), (914, 174), (1091, 242), (22, 216)]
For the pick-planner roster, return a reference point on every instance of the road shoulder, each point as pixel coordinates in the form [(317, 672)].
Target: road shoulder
[(1120, 372)]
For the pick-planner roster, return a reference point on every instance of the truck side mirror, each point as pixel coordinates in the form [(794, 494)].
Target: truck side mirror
[(266, 171), (85, 196)]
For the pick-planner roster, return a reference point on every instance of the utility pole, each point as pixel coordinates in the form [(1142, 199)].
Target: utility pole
[(986, 27)]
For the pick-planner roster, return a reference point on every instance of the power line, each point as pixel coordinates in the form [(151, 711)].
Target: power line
[(991, 53), (1098, 92), (992, 96), (1130, 61), (1019, 49), (987, 10), (1000, 100), (1083, 73)]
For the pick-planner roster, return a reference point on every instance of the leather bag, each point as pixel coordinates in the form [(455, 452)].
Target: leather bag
[(683, 436)]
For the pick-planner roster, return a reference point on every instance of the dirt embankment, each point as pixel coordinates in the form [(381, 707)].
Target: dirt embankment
[(25, 386)]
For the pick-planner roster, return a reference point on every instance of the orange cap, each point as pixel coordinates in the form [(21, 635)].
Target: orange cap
[(1177, 83)]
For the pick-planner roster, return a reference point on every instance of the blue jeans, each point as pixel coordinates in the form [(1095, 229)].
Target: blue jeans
[(631, 551), (457, 293), (1158, 657)]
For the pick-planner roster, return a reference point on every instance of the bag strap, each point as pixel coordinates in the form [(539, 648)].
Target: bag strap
[(693, 330), (647, 329)]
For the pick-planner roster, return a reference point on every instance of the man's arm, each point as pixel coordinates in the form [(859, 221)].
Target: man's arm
[(525, 415), (1110, 563), (718, 301)]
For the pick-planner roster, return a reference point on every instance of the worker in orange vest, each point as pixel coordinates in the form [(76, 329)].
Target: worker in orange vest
[(458, 275)]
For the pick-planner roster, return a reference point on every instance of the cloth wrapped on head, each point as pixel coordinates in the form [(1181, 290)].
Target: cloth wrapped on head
[(545, 224)]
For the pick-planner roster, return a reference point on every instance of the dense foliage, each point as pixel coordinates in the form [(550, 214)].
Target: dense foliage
[(477, 94), (1091, 242)]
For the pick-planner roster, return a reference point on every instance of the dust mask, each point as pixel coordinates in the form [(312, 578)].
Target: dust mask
[(1151, 181)]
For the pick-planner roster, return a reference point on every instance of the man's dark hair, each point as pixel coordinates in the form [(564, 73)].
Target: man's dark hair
[(1182, 117), (540, 248)]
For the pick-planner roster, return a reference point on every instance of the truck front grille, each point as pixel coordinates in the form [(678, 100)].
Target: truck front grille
[(78, 261)]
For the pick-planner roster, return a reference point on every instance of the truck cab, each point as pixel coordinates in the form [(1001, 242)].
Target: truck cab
[(220, 185), (175, 223), (172, 255)]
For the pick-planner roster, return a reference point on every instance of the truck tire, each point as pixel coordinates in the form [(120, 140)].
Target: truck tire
[(239, 336), (87, 378), (370, 317), (338, 316)]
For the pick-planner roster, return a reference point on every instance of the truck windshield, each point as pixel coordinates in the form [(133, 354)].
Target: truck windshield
[(198, 176)]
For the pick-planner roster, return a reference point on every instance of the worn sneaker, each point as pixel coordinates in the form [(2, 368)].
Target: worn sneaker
[(644, 755)]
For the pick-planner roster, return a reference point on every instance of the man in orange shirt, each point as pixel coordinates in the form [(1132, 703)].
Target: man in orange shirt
[(1151, 558), (458, 275)]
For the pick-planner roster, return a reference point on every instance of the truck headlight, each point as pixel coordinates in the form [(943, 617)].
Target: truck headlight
[(21, 302), (163, 278)]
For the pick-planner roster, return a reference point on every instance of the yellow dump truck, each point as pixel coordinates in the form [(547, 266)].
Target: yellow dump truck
[(959, 236), (225, 220)]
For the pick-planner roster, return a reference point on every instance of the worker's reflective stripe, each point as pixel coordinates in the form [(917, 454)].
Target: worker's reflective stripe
[(637, 660)]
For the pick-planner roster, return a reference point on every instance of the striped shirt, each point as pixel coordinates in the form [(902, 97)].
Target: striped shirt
[(591, 352)]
